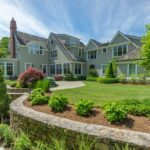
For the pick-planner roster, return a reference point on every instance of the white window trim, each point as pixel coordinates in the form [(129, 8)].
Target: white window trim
[(46, 68), (81, 69), (103, 52), (102, 69), (26, 66), (90, 58), (117, 46), (53, 51), (37, 49), (50, 69), (5, 69), (61, 68), (136, 69)]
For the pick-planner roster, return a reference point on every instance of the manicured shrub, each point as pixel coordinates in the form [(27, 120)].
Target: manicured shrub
[(69, 76), (31, 75), (52, 81), (122, 79), (43, 84), (22, 142), (91, 78), (34, 93), (81, 77), (109, 71), (18, 85), (58, 77), (84, 107), (93, 73), (108, 80), (13, 83), (58, 103), (40, 100), (114, 113), (4, 98), (6, 135)]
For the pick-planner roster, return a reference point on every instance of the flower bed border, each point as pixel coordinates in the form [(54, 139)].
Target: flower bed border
[(40, 126)]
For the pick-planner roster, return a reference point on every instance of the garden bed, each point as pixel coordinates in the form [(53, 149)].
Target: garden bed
[(136, 123)]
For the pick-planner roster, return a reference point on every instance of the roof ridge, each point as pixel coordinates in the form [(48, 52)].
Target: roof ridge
[(133, 36), (32, 35)]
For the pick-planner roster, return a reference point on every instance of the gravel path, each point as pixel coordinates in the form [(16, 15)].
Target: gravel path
[(67, 85)]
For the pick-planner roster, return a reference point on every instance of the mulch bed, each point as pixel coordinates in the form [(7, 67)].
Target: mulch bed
[(136, 123)]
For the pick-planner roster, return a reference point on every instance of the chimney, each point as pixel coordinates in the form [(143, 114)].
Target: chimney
[(13, 28)]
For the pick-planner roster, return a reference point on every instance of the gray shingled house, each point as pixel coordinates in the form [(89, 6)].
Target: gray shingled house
[(60, 52)]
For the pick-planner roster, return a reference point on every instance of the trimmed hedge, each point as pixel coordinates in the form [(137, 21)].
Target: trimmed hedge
[(108, 80), (91, 78)]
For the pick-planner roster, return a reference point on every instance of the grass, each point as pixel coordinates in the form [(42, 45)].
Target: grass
[(100, 93)]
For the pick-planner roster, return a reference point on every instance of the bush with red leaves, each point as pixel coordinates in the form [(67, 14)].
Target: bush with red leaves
[(58, 77), (31, 75)]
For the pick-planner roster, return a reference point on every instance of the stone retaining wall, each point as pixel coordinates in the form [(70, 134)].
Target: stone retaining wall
[(17, 90), (41, 126)]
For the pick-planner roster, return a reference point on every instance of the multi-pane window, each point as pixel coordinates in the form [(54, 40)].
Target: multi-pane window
[(36, 49), (27, 65), (52, 69), (120, 50), (53, 53), (66, 68), (103, 67), (59, 68), (92, 55), (104, 50), (132, 69), (77, 68), (9, 69)]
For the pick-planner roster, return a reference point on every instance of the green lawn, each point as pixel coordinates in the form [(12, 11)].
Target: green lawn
[(100, 93)]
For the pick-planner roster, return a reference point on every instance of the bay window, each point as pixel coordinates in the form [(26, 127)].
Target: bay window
[(59, 68)]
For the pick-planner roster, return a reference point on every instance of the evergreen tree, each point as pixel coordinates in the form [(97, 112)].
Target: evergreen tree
[(4, 98), (109, 71)]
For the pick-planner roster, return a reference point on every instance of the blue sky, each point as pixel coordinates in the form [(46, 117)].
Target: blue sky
[(97, 19)]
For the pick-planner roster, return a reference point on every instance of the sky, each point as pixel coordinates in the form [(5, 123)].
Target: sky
[(85, 19)]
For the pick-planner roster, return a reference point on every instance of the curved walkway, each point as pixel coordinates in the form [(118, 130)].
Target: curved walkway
[(67, 85)]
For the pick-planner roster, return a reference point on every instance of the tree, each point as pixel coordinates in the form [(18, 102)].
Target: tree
[(4, 42), (110, 71), (145, 49), (4, 98)]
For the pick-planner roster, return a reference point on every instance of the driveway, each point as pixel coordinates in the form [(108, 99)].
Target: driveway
[(67, 85)]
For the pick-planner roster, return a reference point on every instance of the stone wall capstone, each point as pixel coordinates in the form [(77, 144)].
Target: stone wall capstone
[(41, 126)]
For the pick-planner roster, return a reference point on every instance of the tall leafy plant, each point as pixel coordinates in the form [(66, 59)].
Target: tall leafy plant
[(4, 98)]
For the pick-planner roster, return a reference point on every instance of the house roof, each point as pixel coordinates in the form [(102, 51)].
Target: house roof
[(132, 55), (67, 35), (24, 38), (65, 50), (134, 39)]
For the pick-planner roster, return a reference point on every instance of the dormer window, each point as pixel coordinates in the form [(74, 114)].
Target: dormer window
[(36, 49), (104, 50)]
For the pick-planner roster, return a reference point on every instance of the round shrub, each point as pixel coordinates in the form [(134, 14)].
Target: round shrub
[(58, 103), (114, 113), (34, 93), (13, 83), (40, 100), (84, 107), (58, 77), (93, 73)]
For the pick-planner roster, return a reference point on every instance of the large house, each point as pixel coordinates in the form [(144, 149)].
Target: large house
[(60, 52)]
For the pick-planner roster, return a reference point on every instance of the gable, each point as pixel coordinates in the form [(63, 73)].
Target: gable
[(91, 45), (119, 38)]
